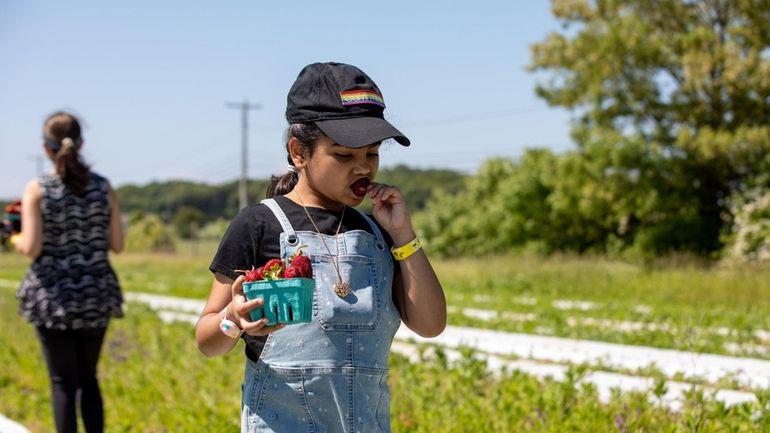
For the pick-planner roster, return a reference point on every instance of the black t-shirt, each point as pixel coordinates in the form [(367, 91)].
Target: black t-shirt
[(253, 238)]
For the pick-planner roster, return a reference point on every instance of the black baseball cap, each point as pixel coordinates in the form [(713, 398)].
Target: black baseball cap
[(343, 102)]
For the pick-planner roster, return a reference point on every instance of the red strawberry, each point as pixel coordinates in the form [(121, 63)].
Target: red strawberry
[(254, 274), (303, 266), (291, 272), (273, 269), (273, 262)]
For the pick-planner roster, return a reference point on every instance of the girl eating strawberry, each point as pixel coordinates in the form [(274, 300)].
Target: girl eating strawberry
[(370, 272)]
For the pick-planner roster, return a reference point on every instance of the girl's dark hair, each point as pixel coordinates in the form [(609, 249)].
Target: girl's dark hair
[(61, 132), (307, 134)]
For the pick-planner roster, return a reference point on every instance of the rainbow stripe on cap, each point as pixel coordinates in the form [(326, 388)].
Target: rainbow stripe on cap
[(355, 97)]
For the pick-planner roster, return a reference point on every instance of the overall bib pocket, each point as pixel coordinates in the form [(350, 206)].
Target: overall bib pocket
[(359, 310)]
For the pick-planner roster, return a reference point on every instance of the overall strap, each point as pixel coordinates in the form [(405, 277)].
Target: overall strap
[(289, 230), (285, 224), (375, 228)]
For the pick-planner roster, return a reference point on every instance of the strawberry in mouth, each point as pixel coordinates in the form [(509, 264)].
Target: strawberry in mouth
[(360, 186)]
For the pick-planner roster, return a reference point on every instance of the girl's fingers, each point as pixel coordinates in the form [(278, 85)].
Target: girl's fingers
[(237, 287), (382, 192), (240, 305), (259, 327), (256, 327), (375, 188), (244, 308)]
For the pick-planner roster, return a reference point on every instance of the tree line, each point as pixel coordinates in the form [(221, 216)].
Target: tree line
[(188, 206)]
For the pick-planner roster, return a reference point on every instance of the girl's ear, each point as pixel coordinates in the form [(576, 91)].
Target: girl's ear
[(298, 153)]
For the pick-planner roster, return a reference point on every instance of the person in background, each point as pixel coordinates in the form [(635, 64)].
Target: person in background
[(330, 374), (70, 219), (11, 224)]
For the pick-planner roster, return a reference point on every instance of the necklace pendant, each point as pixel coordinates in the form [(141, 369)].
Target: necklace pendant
[(342, 289)]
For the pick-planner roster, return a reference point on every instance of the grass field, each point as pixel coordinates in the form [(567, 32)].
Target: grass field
[(684, 307), (154, 379)]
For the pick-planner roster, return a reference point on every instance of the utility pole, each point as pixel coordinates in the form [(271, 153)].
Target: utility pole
[(244, 106), (38, 164)]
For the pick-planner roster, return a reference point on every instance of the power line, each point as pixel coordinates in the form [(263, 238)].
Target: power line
[(190, 153), (472, 117)]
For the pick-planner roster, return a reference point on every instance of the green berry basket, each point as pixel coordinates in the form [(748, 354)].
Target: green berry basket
[(287, 300)]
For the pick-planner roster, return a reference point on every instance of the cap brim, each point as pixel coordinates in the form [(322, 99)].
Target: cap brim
[(360, 131)]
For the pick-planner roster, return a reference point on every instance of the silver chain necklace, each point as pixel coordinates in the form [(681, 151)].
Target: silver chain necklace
[(341, 288)]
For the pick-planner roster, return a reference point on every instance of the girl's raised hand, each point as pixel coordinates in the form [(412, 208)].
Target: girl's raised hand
[(389, 209), (241, 307)]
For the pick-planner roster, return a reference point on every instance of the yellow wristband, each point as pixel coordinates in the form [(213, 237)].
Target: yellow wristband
[(407, 250)]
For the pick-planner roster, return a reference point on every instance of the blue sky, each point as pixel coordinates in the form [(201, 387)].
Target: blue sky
[(151, 79)]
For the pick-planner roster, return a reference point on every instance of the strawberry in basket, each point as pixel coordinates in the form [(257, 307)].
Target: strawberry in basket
[(287, 291), (299, 267)]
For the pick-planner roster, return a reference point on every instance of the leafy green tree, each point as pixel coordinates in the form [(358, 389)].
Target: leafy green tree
[(617, 194), (688, 79), (504, 205), (147, 232), (188, 221), (214, 230)]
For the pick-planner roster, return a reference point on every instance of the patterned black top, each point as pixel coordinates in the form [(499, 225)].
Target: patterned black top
[(71, 285)]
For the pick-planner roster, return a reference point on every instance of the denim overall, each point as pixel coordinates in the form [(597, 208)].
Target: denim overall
[(329, 375)]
